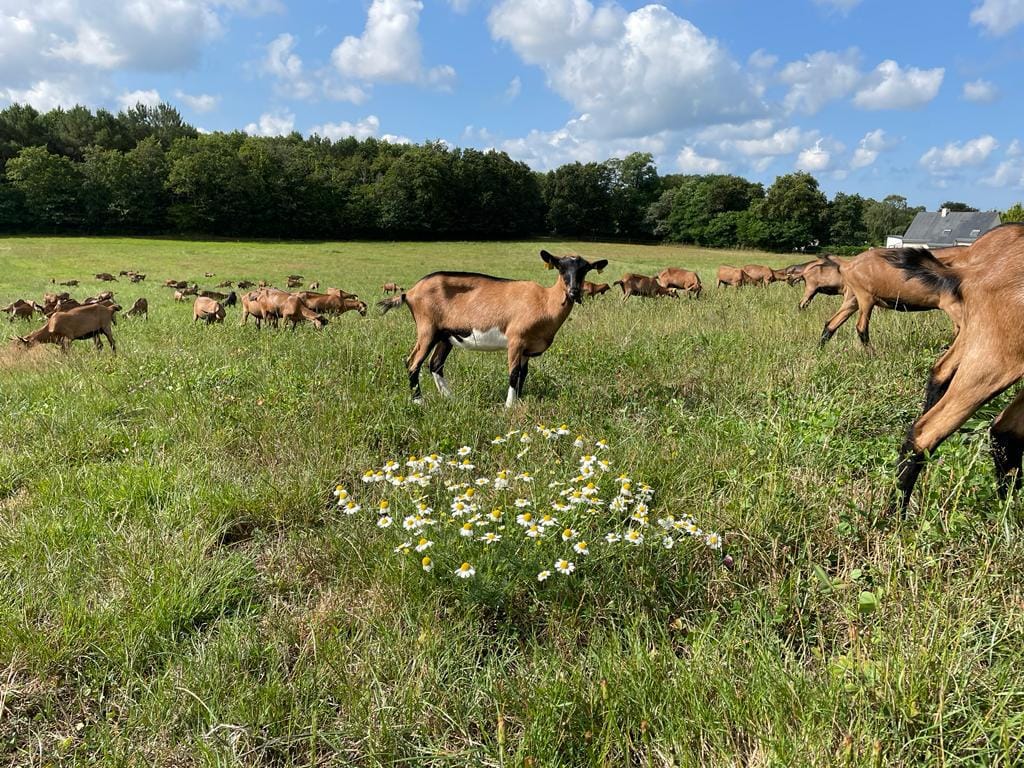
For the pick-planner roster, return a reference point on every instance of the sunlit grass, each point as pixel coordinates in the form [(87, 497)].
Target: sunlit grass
[(182, 588)]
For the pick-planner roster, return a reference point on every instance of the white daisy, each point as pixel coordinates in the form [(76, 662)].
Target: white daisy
[(465, 571), (633, 536), (543, 575), (713, 540), (581, 548), (384, 522), (612, 538), (565, 567), (490, 538), (427, 564), (423, 545)]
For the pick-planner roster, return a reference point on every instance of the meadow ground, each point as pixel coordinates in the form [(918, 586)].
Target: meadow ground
[(179, 587)]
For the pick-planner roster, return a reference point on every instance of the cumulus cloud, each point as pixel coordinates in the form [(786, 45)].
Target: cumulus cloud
[(843, 6), (892, 87), (460, 6), (389, 49), (515, 87), (129, 99), (943, 160), (980, 91), (820, 78), (279, 123), (868, 149), (690, 161), (366, 128), (576, 141), (201, 102), (814, 159), (633, 74), (282, 63), (45, 95), (998, 17)]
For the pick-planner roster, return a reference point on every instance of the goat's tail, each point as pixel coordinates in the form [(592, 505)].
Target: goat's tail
[(921, 264), (386, 305)]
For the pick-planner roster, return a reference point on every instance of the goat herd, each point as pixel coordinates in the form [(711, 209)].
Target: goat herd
[(980, 287)]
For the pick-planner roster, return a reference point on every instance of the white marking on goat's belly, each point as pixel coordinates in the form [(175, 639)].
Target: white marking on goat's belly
[(482, 341)]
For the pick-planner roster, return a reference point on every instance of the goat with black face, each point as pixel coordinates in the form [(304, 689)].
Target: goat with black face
[(484, 313)]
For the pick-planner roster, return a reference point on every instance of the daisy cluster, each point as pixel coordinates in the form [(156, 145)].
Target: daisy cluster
[(484, 509)]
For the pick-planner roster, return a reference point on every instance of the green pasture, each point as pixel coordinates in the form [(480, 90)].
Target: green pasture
[(179, 588)]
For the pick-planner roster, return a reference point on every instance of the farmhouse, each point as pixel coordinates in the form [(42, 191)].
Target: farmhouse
[(944, 228)]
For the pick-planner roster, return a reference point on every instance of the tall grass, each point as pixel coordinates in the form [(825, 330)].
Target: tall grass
[(180, 589)]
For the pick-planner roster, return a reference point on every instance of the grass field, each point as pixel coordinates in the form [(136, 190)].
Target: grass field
[(179, 587)]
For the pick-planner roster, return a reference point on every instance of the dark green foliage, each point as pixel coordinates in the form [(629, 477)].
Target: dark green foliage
[(846, 220), (891, 216), (959, 207), (1014, 213)]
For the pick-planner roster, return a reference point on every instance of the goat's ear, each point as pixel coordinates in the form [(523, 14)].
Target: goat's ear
[(549, 260), (599, 265)]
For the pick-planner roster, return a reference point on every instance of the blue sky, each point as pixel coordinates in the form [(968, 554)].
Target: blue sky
[(906, 97)]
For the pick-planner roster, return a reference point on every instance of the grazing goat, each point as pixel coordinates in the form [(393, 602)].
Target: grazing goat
[(175, 283), (69, 283), (209, 274), (794, 273), (85, 322), (682, 279), (295, 310), (224, 284), (877, 278), (244, 284), (227, 299), (251, 307), (757, 273), (106, 277), (140, 307), (99, 297), (480, 312), (733, 276), (20, 310), (985, 358), (315, 285), (821, 276), (294, 283), (392, 288), (207, 309), (595, 289), (332, 303), (641, 285)]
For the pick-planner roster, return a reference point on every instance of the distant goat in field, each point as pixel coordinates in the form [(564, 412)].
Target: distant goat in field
[(733, 276), (595, 289), (681, 279), (484, 313), (643, 286)]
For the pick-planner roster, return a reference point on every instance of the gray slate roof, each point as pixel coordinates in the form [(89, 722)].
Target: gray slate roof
[(929, 227)]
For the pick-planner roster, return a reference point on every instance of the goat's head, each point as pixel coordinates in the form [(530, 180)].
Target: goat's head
[(573, 270)]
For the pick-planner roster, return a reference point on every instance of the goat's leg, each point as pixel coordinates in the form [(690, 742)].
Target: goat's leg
[(955, 311), (515, 363), (864, 321), (942, 373), (1007, 435), (110, 341), (441, 351), (424, 343), (524, 368), (809, 293), (976, 382), (848, 307)]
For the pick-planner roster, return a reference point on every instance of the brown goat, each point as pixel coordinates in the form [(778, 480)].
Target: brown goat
[(643, 286), (682, 279), (69, 283), (877, 278), (20, 310), (207, 309), (295, 311), (595, 289), (484, 313), (332, 303), (225, 284), (315, 285), (794, 273), (986, 357), (140, 307), (760, 274), (392, 288), (251, 307), (244, 284), (733, 276), (821, 276), (85, 322), (106, 277), (99, 297), (227, 299), (294, 282)]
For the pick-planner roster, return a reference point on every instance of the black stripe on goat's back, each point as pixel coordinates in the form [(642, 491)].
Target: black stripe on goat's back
[(921, 264)]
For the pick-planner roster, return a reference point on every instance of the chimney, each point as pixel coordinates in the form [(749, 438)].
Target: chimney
[(943, 212)]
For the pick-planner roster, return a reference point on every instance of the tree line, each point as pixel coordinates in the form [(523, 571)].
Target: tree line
[(146, 171)]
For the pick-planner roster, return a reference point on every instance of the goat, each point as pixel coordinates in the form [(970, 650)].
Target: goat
[(733, 276), (760, 274), (69, 283), (140, 307), (207, 309), (251, 307), (295, 310), (793, 274), (84, 322), (172, 283), (392, 288), (985, 359), (595, 289), (106, 277), (20, 310), (821, 276), (332, 303), (641, 285), (341, 294), (179, 296), (209, 274), (480, 312), (99, 297), (876, 278), (315, 285), (228, 300), (682, 279), (224, 284), (294, 282)]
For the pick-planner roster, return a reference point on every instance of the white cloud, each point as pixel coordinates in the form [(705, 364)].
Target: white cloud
[(785, 141), (941, 160), (460, 6), (202, 102), (843, 6), (998, 17), (282, 63), (515, 87), (689, 161), (820, 78), (892, 87), (633, 74), (980, 91), (363, 129), (389, 49), (814, 158), (279, 123), (129, 99), (91, 47), (45, 95), (1009, 173), (868, 149)]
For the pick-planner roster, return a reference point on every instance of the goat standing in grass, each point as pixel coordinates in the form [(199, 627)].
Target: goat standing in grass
[(484, 313), (985, 359)]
